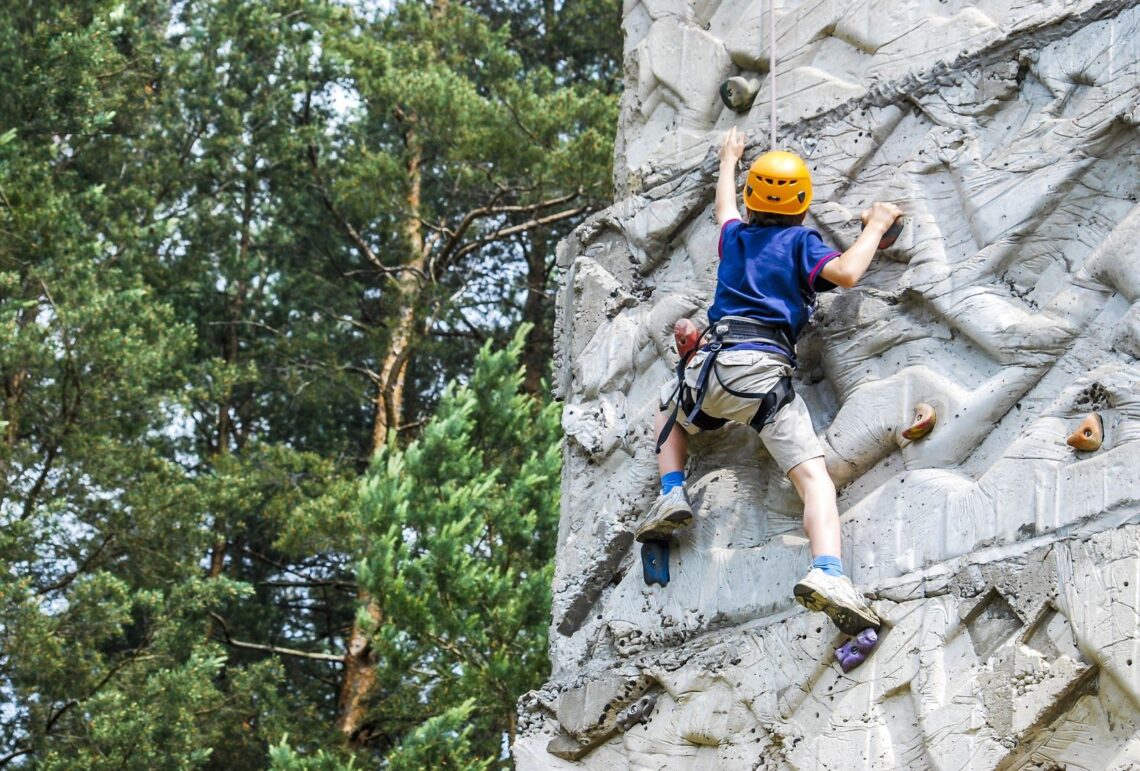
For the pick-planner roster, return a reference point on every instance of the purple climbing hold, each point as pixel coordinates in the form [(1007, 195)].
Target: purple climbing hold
[(856, 650)]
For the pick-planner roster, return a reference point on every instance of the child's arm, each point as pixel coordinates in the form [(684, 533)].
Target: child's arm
[(846, 269), (730, 154)]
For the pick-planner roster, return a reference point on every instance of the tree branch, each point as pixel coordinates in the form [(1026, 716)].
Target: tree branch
[(119, 667), (307, 584), (352, 233), (69, 577), (331, 657), (13, 755), (354, 323), (371, 374), (528, 225), (286, 569), (31, 499), (492, 209)]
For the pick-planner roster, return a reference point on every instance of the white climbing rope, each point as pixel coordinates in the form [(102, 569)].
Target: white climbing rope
[(772, 65)]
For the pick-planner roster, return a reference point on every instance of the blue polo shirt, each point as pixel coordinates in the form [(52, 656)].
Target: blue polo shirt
[(771, 275)]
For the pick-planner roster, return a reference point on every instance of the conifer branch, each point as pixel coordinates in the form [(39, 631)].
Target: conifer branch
[(351, 232), (13, 755), (520, 228), (275, 649), (492, 209)]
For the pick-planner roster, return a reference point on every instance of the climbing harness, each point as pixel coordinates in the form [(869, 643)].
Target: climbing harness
[(726, 333)]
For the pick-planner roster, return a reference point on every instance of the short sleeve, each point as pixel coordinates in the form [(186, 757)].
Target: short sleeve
[(812, 255), (728, 231)]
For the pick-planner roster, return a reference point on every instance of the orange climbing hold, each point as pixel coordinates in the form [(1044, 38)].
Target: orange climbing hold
[(924, 419), (1089, 435), (686, 335)]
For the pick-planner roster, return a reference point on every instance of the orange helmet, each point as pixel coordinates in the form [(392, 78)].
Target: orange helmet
[(779, 183)]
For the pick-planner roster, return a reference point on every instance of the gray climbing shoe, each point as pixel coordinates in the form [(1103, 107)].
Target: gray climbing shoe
[(836, 596), (669, 512)]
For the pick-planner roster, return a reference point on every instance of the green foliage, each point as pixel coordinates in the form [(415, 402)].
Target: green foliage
[(174, 702), (282, 757), (463, 524), (575, 39), (187, 372), (441, 742), (500, 145)]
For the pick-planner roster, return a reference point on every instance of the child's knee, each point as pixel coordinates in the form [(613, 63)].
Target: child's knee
[(811, 478)]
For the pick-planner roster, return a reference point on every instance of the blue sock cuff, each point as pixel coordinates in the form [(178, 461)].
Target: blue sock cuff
[(828, 564), (671, 480)]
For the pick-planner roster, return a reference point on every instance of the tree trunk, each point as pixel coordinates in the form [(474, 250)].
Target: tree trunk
[(359, 665), (13, 401), (359, 674), (230, 347), (536, 355), (390, 388)]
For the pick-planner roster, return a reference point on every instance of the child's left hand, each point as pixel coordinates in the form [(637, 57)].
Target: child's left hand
[(733, 148)]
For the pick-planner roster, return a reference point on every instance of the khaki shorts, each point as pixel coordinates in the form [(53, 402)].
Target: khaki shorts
[(789, 438)]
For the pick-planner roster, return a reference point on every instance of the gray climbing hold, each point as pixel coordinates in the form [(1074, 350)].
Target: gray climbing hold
[(638, 712), (738, 93)]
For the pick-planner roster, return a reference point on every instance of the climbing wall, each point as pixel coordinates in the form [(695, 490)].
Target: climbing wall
[(1005, 562)]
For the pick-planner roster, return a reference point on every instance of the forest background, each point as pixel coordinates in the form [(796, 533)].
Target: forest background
[(279, 467)]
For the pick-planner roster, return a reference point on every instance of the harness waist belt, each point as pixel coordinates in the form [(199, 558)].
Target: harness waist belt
[(735, 329), (729, 331)]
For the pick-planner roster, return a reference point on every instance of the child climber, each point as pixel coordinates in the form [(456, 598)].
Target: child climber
[(770, 271)]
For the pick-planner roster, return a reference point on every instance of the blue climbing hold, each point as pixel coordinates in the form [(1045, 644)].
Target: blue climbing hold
[(655, 561)]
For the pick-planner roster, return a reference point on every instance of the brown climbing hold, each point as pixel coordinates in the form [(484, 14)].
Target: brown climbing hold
[(924, 420), (1089, 434), (891, 235)]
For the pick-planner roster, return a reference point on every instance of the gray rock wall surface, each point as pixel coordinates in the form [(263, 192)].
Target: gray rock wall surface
[(1005, 563)]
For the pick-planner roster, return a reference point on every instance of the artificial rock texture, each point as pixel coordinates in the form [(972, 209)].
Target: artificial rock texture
[(1005, 562)]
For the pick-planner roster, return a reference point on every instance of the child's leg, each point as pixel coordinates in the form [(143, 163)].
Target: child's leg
[(825, 588), (675, 450), (821, 514), (671, 510)]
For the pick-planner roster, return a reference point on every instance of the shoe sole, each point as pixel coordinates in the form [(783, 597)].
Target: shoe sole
[(665, 527), (849, 621)]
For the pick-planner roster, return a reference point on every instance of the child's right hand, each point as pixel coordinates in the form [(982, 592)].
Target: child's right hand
[(881, 215), (733, 148)]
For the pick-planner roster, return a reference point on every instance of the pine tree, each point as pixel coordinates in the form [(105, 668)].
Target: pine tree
[(219, 304), (462, 525), (449, 185), (106, 662)]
